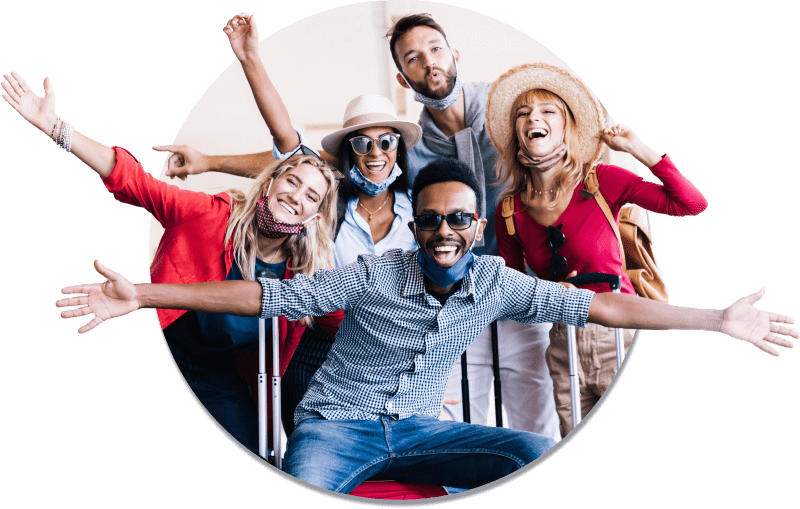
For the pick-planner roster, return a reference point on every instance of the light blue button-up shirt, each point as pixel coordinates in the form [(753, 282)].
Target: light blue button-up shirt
[(355, 237), (397, 344)]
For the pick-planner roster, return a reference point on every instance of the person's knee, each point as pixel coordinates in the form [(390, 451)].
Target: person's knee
[(532, 446)]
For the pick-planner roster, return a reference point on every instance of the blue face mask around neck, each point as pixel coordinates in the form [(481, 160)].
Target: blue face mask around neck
[(441, 276)]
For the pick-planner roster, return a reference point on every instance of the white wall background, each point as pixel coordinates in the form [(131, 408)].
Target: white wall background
[(320, 63)]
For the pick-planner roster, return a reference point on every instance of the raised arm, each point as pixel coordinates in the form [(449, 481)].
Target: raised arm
[(243, 35), (40, 112), (676, 195), (741, 320), (185, 161)]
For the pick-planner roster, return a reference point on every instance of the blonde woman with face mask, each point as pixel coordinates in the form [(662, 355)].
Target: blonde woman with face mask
[(282, 224), (549, 129), (373, 205)]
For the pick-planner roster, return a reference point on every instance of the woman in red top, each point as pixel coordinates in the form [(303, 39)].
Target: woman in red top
[(548, 127), (283, 224)]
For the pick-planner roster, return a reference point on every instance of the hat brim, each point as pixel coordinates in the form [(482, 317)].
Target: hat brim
[(585, 107), (409, 131)]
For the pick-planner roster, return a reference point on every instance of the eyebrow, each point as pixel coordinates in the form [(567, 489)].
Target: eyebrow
[(431, 211), (296, 177)]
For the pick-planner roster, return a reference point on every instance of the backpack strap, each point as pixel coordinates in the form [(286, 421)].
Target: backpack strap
[(508, 214), (592, 190)]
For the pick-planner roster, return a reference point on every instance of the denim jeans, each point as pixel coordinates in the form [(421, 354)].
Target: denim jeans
[(340, 455)]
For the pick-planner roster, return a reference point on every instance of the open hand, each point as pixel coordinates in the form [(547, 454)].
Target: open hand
[(39, 111), (243, 36), (115, 297), (743, 321), (183, 161)]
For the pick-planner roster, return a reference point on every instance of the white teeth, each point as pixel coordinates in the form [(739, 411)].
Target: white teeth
[(288, 209), (445, 248), (536, 133), (380, 164)]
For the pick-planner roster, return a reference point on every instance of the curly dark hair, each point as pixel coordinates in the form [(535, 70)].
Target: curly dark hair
[(446, 169)]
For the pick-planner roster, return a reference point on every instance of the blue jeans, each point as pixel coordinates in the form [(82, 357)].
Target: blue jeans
[(340, 455)]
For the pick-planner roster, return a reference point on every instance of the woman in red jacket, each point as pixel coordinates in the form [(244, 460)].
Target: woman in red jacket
[(548, 126), (282, 224)]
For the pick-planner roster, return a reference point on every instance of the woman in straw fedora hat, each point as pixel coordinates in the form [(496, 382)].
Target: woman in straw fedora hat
[(548, 127), (373, 205)]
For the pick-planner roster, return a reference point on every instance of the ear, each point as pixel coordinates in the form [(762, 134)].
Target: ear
[(479, 230), (456, 54), (313, 220), (413, 228), (402, 81)]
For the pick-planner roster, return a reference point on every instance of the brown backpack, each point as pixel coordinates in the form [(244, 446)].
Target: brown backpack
[(633, 235)]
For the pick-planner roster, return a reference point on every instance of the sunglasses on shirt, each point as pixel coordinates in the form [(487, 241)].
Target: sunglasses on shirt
[(456, 220), (362, 145), (558, 264)]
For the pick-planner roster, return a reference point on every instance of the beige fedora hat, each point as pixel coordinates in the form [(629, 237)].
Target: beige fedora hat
[(585, 107), (371, 110)]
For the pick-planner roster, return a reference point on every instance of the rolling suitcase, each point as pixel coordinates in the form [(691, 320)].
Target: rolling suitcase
[(386, 490), (615, 282)]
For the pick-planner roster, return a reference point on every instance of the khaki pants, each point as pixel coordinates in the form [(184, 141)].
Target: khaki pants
[(597, 365)]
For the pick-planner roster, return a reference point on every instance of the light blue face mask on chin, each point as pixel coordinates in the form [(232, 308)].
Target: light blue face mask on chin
[(451, 275), (370, 187)]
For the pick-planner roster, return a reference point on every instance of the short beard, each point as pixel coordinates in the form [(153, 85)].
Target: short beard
[(423, 88)]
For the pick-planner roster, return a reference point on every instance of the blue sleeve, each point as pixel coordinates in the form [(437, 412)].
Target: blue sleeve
[(529, 299)]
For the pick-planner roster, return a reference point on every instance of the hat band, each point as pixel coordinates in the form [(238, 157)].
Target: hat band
[(369, 118)]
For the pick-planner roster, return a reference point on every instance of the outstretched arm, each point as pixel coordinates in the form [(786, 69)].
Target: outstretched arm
[(40, 112), (741, 320), (185, 161), (117, 297)]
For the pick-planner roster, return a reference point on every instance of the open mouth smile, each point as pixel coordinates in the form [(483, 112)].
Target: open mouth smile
[(287, 208), (445, 254), (538, 132)]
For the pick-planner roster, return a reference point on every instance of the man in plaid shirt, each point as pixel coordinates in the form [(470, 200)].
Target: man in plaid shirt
[(371, 410)]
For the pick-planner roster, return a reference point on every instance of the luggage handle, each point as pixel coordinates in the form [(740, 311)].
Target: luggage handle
[(262, 384), (614, 281)]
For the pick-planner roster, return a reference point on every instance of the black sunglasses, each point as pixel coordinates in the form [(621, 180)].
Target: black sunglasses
[(456, 220), (558, 264), (303, 150), (387, 142)]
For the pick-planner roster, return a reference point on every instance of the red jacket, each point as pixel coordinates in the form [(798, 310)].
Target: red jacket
[(192, 247)]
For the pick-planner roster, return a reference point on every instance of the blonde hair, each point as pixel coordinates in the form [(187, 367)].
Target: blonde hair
[(309, 252), (516, 175)]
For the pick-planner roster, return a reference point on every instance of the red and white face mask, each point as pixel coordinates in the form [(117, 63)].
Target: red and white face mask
[(270, 227), (273, 229)]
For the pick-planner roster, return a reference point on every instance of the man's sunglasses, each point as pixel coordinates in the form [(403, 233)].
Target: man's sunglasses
[(456, 220), (362, 145), (303, 150), (558, 264)]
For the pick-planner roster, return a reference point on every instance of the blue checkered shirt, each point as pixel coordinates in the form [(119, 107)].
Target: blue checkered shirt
[(397, 343)]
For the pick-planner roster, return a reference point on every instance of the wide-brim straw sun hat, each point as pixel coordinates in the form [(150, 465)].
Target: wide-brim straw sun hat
[(585, 107), (371, 110)]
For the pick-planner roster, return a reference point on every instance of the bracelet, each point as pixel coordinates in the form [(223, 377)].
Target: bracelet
[(64, 138)]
